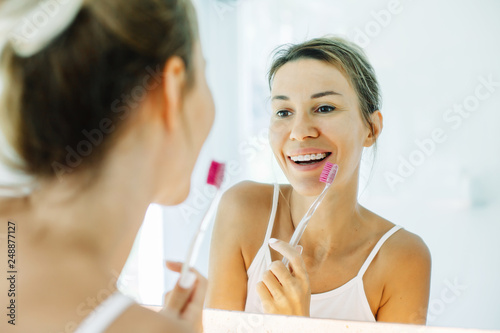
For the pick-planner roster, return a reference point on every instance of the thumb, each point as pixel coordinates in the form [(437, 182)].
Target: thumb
[(177, 298), (186, 280)]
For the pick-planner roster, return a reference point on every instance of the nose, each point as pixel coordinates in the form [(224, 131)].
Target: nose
[(303, 127)]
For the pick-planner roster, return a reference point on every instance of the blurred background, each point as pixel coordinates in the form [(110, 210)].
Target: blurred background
[(436, 168)]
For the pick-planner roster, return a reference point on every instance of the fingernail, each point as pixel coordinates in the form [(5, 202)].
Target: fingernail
[(187, 280), (273, 240), (300, 249)]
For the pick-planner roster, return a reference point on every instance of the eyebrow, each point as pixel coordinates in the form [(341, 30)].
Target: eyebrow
[(318, 95), (325, 93)]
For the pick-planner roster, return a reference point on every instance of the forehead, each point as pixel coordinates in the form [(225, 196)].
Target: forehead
[(305, 77)]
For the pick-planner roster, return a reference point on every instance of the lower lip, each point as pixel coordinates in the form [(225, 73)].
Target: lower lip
[(307, 167)]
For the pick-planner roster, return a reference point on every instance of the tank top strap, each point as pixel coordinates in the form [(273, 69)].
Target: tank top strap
[(272, 217), (105, 314), (377, 247)]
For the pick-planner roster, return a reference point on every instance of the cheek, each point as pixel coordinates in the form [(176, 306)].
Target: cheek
[(277, 137), (209, 105), (208, 116), (352, 138), (347, 135), (202, 114)]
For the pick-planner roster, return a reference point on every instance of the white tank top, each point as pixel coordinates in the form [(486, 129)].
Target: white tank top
[(105, 314), (347, 302)]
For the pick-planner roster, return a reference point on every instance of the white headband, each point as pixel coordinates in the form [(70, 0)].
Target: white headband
[(30, 25)]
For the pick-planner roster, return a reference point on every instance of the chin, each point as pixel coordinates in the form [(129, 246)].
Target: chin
[(171, 197)]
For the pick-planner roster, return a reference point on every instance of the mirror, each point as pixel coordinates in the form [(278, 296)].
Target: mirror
[(437, 161), (215, 321)]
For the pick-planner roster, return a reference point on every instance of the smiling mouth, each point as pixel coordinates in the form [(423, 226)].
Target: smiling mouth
[(309, 158)]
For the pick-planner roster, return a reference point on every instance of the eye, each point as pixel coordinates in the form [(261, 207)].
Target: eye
[(325, 109), (283, 113)]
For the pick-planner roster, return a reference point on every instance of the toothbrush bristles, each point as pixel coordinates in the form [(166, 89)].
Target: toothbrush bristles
[(329, 172), (216, 174)]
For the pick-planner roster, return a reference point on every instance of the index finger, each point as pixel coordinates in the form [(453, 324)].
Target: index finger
[(286, 250)]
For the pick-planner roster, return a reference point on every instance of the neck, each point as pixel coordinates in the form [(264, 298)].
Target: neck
[(338, 215), (95, 225)]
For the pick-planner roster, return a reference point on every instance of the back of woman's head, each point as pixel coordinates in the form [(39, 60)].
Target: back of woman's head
[(62, 106)]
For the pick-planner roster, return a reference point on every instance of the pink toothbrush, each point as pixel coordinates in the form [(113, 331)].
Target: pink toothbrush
[(327, 176), (215, 178)]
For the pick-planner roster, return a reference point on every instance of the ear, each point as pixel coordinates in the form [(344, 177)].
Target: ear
[(174, 83), (376, 128)]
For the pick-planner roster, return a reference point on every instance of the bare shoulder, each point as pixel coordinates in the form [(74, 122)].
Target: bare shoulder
[(240, 222), (407, 247), (404, 273), (398, 281), (247, 195), (244, 208), (405, 258), (242, 219), (403, 247)]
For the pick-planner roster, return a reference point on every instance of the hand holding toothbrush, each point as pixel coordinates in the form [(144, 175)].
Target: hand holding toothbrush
[(186, 304), (285, 290)]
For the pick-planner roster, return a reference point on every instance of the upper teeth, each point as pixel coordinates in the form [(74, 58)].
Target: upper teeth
[(309, 157)]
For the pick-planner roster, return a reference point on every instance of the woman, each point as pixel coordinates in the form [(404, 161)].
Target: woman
[(106, 108), (351, 264)]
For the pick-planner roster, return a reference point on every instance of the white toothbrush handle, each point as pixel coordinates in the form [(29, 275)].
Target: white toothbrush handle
[(297, 234), (195, 246)]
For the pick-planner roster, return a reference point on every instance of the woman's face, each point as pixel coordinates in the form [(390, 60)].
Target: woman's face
[(315, 118)]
